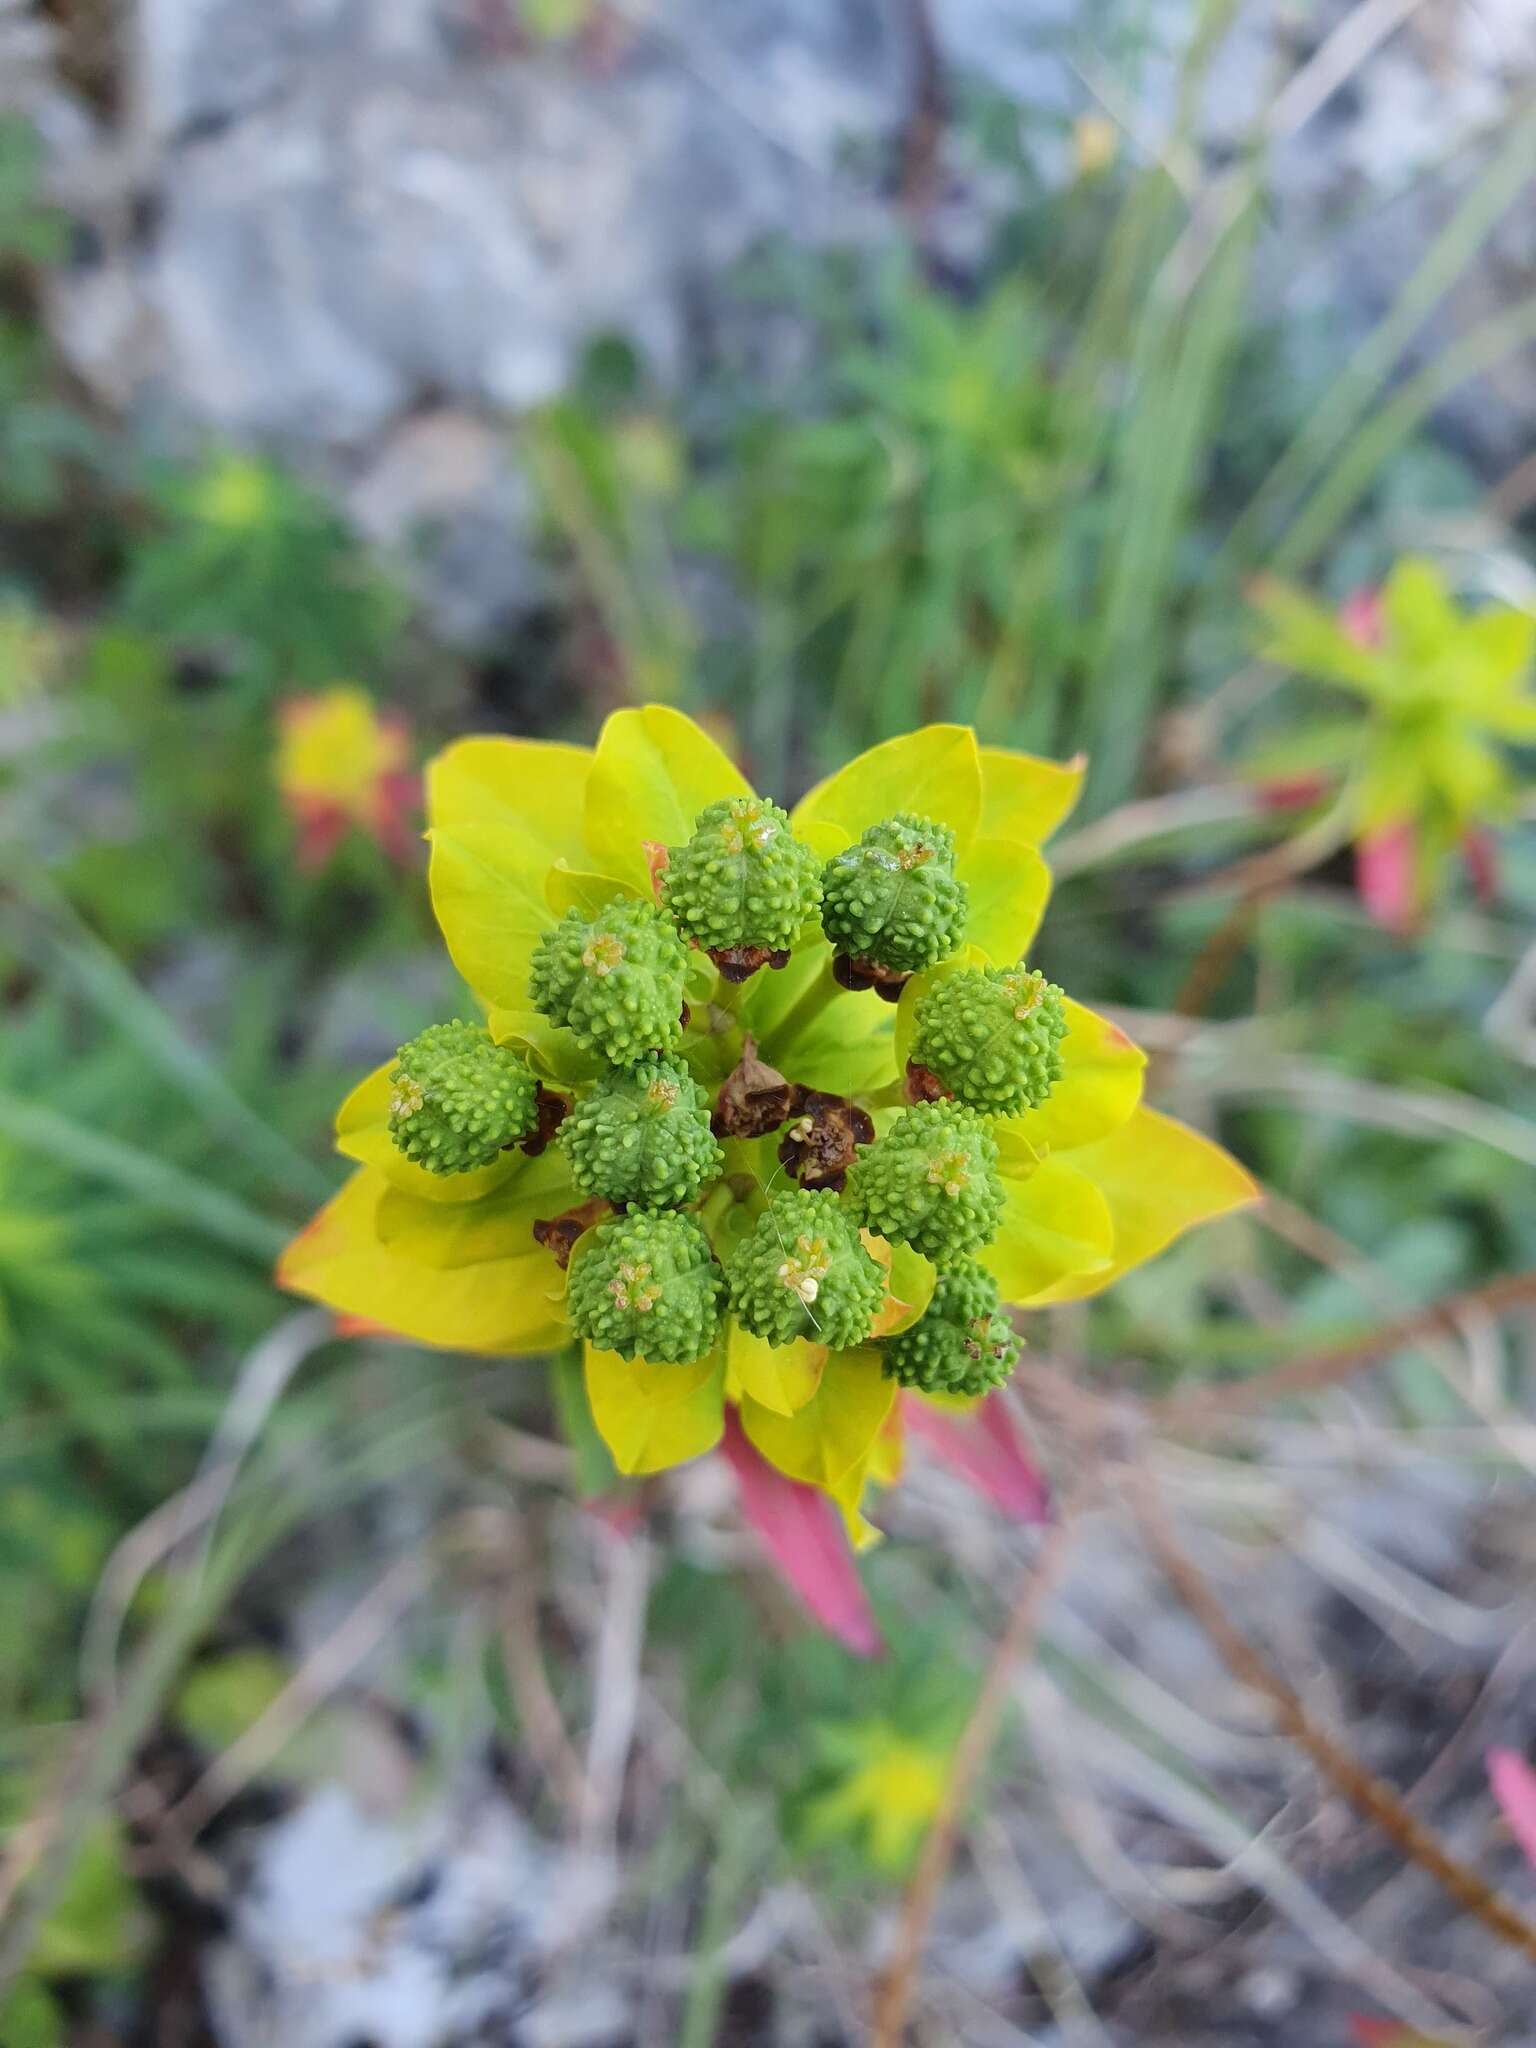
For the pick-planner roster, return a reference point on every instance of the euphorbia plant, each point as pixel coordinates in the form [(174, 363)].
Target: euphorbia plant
[(1424, 769), (767, 1113)]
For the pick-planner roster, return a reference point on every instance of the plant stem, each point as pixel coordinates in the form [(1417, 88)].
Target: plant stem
[(807, 1006)]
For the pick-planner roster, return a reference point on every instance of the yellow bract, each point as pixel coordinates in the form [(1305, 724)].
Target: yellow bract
[(935, 772), (522, 831), (655, 770), (782, 1377), (826, 1439), (1159, 1179), (653, 1416), (500, 1303), (1024, 797)]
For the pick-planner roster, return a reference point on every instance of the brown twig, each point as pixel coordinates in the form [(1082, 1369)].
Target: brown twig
[(544, 1730), (1369, 1795), (893, 1993), (1314, 1371), (1219, 955), (918, 174)]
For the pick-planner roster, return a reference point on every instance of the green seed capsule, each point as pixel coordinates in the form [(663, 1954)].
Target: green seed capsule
[(894, 900), (993, 1037), (647, 1286), (616, 980), (961, 1344), (642, 1136), (804, 1272), (743, 882), (459, 1098), (931, 1182)]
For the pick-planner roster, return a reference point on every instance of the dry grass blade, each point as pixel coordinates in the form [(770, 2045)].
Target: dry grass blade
[(1368, 1794), (1314, 1371), (893, 1995)]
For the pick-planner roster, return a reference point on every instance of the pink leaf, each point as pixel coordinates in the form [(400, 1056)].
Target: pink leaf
[(1386, 863), (803, 1533), (1360, 616), (984, 1448), (1482, 858), (1514, 1787)]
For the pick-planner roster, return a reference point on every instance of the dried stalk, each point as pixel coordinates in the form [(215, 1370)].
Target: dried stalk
[(1369, 1795), (1315, 1371), (893, 1993)]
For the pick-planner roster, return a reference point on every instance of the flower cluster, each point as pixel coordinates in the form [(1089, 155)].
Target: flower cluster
[(342, 766), (818, 1120)]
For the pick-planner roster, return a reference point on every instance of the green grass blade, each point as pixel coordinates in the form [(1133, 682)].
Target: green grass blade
[(1390, 428), (1347, 398), (193, 1202), (107, 984)]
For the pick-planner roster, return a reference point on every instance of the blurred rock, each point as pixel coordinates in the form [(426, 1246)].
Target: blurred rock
[(445, 490), (353, 219), (359, 218), (417, 1930)]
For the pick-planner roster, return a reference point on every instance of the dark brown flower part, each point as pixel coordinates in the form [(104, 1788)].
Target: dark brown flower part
[(819, 1146), (924, 1085), (887, 982), (552, 1112), (740, 963), (754, 1098), (558, 1234)]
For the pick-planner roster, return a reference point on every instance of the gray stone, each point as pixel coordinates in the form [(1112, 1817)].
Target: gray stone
[(446, 496)]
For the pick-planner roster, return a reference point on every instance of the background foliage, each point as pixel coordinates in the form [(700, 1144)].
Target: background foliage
[(1036, 500)]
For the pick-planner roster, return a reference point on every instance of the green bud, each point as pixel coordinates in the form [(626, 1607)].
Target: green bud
[(893, 900), (961, 1344), (459, 1098), (930, 1182), (743, 882), (993, 1037), (616, 980), (647, 1286), (642, 1136), (804, 1272)]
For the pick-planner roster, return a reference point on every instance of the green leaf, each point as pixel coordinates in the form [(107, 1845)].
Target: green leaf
[(93, 1927), (30, 2018), (224, 1696), (595, 1469), (1417, 611)]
